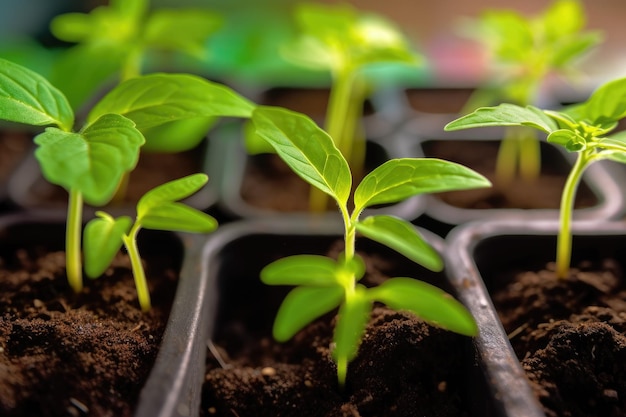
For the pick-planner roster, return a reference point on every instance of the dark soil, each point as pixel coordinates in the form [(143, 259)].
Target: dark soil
[(13, 147), (405, 367), (542, 193), (66, 354), (570, 335)]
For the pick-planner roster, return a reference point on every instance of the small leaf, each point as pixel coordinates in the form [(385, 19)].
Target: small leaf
[(27, 97), (154, 99), (504, 115), (157, 209), (310, 270), (92, 161), (401, 236), (303, 305), (103, 239), (568, 139), (352, 320), (306, 148), (398, 179), (617, 143), (426, 301)]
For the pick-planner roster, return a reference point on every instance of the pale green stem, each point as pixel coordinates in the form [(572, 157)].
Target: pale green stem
[(530, 157), (337, 115), (342, 370), (506, 160), (564, 238), (73, 230), (143, 293)]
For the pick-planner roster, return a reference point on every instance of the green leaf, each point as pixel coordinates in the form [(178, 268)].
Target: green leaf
[(398, 179), (504, 115), (92, 161), (563, 18), (568, 50), (352, 320), (179, 135), (103, 239), (607, 104), (310, 270), (27, 97), (192, 29), (400, 235), (306, 148), (154, 99), (617, 143), (157, 209), (568, 139), (303, 305), (428, 302)]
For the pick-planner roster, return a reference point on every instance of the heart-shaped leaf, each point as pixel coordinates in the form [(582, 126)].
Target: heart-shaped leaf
[(92, 161)]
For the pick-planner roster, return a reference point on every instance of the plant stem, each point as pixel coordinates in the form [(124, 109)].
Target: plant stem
[(73, 230), (130, 242), (564, 238), (507, 158), (529, 156)]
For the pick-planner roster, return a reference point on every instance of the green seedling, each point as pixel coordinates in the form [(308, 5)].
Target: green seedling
[(526, 51), (158, 209), (585, 129), (345, 42), (90, 162), (322, 283), (119, 39)]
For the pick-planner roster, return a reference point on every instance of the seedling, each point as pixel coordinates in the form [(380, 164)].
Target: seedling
[(526, 51), (90, 162), (119, 39), (323, 283), (345, 42), (584, 128), (158, 209)]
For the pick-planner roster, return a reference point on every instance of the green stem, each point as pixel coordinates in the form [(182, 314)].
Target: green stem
[(564, 238), (73, 230), (143, 293), (529, 156), (507, 158)]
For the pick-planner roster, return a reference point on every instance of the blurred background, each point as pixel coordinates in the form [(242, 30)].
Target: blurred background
[(432, 27)]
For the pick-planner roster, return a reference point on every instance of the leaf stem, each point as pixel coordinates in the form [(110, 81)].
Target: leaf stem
[(564, 238), (73, 229), (130, 242)]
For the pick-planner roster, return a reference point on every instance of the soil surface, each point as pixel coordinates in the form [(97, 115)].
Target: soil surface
[(405, 367), (66, 354), (570, 335), (544, 192)]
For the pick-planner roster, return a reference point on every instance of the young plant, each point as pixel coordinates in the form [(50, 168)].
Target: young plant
[(90, 162), (158, 209), (585, 129), (118, 40), (345, 42), (526, 51), (323, 283)]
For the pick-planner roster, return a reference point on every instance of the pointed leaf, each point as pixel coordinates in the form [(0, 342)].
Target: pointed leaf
[(426, 301), (157, 209), (398, 179), (92, 161), (306, 148), (504, 115), (568, 139), (303, 305), (103, 239), (154, 99), (309, 270), (352, 320), (177, 217), (401, 236), (27, 97)]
